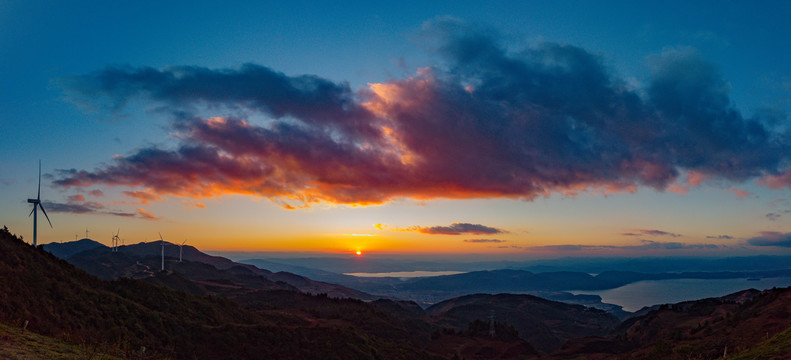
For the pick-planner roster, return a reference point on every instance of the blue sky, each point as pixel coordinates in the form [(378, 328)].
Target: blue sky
[(355, 44)]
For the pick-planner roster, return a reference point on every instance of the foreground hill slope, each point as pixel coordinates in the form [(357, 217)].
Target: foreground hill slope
[(59, 300), (18, 343), (736, 324), (543, 323)]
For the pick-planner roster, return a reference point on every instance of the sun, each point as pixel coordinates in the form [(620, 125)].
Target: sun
[(359, 253)]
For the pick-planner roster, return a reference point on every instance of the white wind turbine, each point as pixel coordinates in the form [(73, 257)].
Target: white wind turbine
[(116, 240), (163, 251), (37, 204), (181, 248)]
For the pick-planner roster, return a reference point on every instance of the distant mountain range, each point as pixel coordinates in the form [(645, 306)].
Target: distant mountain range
[(554, 285), (381, 264), (141, 260)]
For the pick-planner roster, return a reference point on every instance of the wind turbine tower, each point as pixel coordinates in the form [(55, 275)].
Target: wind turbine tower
[(491, 324), (37, 204), (163, 251), (116, 240), (181, 247)]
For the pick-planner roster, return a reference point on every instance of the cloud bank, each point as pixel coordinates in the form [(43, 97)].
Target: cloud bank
[(484, 241), (487, 122), (771, 238), (645, 245), (453, 229), (650, 232)]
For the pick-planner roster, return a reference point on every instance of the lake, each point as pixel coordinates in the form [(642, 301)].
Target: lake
[(636, 295)]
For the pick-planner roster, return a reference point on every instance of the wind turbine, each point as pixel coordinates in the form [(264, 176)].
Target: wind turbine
[(116, 239), (163, 251), (37, 204), (181, 248)]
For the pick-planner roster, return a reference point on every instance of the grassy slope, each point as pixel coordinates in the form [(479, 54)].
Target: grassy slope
[(18, 344), (777, 347), (61, 301)]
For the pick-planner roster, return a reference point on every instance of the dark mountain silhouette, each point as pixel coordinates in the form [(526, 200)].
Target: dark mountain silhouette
[(743, 322), (544, 324), (66, 250)]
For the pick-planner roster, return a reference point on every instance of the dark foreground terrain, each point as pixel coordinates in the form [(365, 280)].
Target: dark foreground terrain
[(212, 308)]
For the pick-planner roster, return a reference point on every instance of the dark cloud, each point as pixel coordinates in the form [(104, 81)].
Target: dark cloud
[(771, 238), (720, 237), (76, 208), (83, 207), (648, 244), (488, 122), (645, 245), (773, 216), (453, 229), (649, 232), (484, 241), (459, 229)]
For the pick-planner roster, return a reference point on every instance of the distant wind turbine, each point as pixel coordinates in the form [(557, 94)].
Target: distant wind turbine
[(116, 239), (37, 204), (181, 248), (163, 251)]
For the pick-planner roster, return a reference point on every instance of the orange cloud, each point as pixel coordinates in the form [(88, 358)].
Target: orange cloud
[(147, 215), (143, 196)]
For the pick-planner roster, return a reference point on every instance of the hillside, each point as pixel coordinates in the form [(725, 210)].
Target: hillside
[(544, 324), (17, 343), (127, 315), (141, 260), (703, 329), (195, 310)]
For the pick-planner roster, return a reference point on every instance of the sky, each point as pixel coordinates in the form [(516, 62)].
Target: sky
[(506, 129)]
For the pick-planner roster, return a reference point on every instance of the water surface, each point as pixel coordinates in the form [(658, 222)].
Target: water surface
[(636, 295)]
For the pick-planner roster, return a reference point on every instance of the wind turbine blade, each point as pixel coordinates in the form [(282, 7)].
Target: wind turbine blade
[(185, 241), (45, 214), (31, 211), (38, 196), (160, 237), (118, 232)]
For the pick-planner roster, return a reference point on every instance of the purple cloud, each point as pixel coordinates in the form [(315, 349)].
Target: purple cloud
[(649, 232), (486, 122), (86, 207), (459, 229), (484, 241), (646, 245), (771, 238)]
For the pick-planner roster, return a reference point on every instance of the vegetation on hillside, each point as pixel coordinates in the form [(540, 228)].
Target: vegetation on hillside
[(128, 315)]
